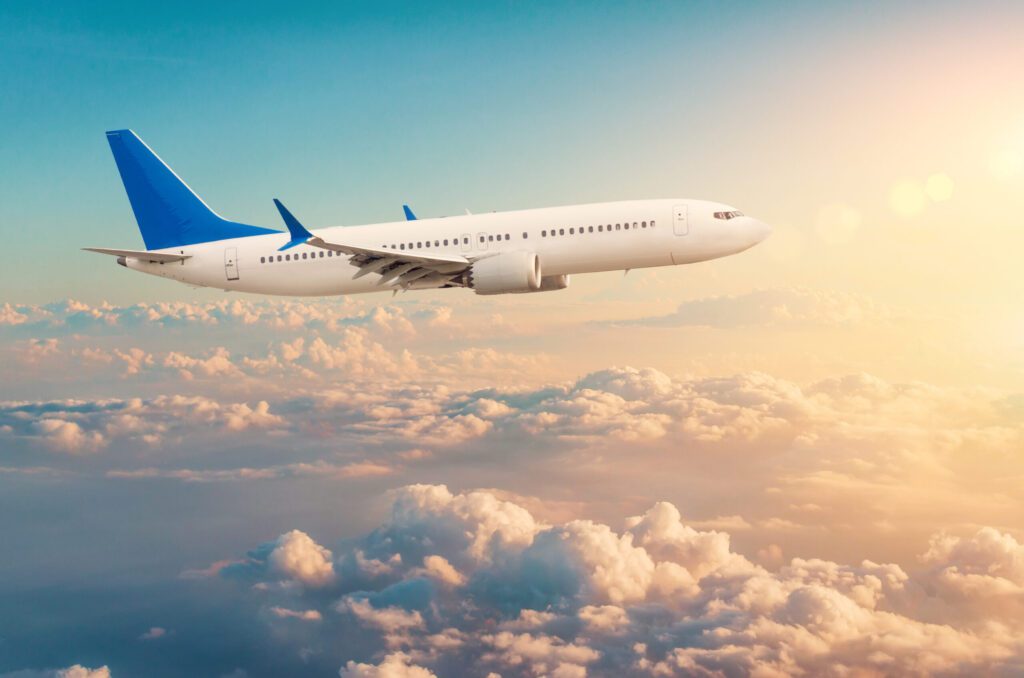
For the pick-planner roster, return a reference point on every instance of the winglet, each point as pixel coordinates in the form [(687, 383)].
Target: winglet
[(409, 216), (299, 233)]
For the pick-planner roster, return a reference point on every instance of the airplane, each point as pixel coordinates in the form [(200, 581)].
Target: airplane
[(534, 250)]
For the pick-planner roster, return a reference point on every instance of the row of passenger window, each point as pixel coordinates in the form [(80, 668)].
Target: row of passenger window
[(505, 236), (296, 256), (425, 244), (600, 229), (728, 215), (437, 243)]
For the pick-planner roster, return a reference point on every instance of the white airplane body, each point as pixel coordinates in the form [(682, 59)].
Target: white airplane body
[(502, 252)]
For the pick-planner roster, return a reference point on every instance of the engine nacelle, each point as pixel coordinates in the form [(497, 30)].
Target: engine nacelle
[(506, 273), (554, 282)]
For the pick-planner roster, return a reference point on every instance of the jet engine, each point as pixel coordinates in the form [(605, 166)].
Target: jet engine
[(553, 282), (505, 273)]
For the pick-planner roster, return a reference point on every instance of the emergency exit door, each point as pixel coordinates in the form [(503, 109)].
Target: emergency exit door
[(231, 263), (680, 225)]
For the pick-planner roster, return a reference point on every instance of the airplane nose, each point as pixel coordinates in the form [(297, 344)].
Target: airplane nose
[(757, 231), (763, 231)]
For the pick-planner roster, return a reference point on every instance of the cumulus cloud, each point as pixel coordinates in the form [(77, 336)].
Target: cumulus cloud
[(394, 665), (68, 436), (981, 574), (657, 597), (297, 557), (76, 426)]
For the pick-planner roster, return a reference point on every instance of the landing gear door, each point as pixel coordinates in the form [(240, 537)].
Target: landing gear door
[(680, 223), (231, 263)]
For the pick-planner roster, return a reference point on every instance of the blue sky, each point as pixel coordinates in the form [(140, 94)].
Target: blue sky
[(817, 439), (346, 110)]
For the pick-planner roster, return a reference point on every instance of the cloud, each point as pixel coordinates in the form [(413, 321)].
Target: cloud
[(75, 427), (302, 615), (11, 315), (983, 572), (75, 671), (296, 556), (388, 619), (658, 597), (68, 436), (394, 665), (78, 671), (318, 468), (154, 633)]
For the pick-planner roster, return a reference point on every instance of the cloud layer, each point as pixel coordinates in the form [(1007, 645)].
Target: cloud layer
[(469, 583)]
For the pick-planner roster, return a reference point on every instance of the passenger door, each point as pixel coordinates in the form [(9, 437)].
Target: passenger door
[(467, 242), (680, 224), (231, 263), (481, 241)]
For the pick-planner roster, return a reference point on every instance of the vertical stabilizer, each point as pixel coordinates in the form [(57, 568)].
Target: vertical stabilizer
[(169, 214)]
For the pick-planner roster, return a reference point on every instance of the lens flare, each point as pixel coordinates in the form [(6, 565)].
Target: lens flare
[(907, 198), (939, 187)]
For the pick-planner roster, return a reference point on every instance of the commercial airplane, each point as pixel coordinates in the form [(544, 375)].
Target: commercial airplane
[(498, 253)]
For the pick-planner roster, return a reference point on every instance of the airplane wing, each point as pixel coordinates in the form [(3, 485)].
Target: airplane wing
[(400, 269), (142, 255)]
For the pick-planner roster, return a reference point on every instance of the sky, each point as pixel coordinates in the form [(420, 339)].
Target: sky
[(803, 458)]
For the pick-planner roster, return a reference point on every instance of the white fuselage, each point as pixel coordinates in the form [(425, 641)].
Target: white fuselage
[(574, 239)]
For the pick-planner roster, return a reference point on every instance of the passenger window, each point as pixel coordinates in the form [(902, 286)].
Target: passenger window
[(572, 231), (279, 257), (446, 242), (490, 238), (428, 244), (402, 246), (590, 229), (543, 234), (643, 224), (303, 255), (508, 237), (652, 223), (561, 231), (524, 235), (263, 260), (600, 228)]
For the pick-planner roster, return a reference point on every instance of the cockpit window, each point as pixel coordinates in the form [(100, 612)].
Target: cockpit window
[(728, 215)]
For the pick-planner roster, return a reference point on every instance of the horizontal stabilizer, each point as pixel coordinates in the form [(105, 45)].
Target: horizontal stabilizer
[(141, 255)]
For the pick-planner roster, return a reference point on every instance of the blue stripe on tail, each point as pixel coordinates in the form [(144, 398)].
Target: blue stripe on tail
[(169, 214)]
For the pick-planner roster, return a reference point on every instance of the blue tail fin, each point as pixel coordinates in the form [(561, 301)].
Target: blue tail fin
[(168, 212)]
